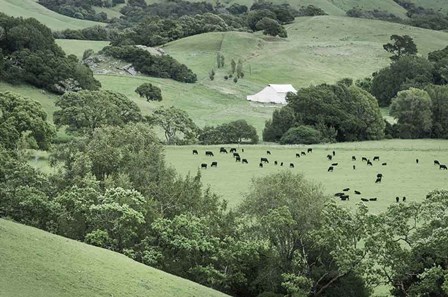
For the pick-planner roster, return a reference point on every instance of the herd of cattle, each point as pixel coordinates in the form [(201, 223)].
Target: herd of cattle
[(344, 195)]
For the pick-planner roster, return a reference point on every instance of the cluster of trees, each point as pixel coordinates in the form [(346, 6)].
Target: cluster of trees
[(326, 113), (89, 33), (159, 66), (28, 53), (357, 12), (80, 9), (234, 132), (310, 10)]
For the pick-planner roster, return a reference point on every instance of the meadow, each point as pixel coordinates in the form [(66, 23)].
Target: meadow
[(38, 263), (402, 175)]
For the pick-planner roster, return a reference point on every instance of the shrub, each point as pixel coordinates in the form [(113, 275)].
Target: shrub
[(301, 135)]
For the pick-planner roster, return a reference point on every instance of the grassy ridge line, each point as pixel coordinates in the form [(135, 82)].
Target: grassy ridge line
[(37, 263), (31, 9)]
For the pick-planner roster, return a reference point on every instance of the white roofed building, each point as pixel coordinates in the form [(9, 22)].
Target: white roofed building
[(273, 94)]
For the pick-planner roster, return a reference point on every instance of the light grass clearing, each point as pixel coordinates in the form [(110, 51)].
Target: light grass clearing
[(37, 263), (402, 176), (77, 47), (31, 9)]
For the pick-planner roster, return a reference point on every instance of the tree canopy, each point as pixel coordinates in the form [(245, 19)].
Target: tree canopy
[(401, 46), (149, 91)]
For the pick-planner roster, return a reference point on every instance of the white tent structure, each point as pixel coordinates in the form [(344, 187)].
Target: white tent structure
[(273, 94)]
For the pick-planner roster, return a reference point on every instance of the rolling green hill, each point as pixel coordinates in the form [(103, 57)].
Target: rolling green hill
[(31, 9), (36, 263)]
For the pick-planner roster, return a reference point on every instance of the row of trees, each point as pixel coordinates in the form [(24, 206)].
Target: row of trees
[(28, 53)]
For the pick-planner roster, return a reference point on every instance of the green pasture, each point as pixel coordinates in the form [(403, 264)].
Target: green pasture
[(31, 9), (37, 263), (402, 176), (77, 47)]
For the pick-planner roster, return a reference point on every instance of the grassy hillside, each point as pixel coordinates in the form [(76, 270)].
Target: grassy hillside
[(31, 9), (36, 263), (77, 47)]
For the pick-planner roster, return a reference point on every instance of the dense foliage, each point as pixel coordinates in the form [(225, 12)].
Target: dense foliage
[(149, 91), (80, 9), (234, 132), (158, 66), (29, 54), (341, 112)]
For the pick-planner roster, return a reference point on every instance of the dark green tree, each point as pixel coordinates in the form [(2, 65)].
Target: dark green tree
[(401, 46), (149, 91), (271, 27), (439, 99)]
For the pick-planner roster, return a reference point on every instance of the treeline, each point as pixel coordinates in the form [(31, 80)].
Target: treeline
[(159, 66), (114, 190), (28, 53), (80, 9)]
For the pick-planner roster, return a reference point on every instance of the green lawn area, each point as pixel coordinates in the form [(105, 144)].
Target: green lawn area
[(31, 9), (37, 263), (402, 176), (77, 47)]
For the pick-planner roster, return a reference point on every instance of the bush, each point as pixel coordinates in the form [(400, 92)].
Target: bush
[(301, 135)]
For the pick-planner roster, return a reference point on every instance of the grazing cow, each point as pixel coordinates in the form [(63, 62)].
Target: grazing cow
[(223, 150), (416, 161), (233, 150), (441, 166), (378, 180), (209, 153), (275, 162), (334, 153), (384, 164), (244, 161), (345, 197), (281, 164), (236, 155), (339, 194), (268, 152), (357, 192), (376, 158), (297, 155), (364, 159), (204, 166), (346, 189), (310, 150), (330, 169), (291, 165), (260, 165), (329, 157), (379, 175), (195, 152), (369, 163), (354, 167), (238, 159), (397, 199), (334, 164), (303, 153), (373, 199), (404, 198), (436, 162), (365, 199), (353, 158), (242, 150), (265, 160), (214, 164)]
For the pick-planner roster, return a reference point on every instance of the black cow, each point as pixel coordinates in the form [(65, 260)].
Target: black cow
[(209, 153), (244, 161), (238, 159), (195, 152), (404, 198), (345, 197), (443, 167), (275, 162), (346, 189), (369, 163), (260, 165), (265, 160), (365, 199), (357, 192), (379, 175), (416, 161), (334, 164), (203, 165), (384, 164), (329, 157), (339, 194), (376, 158), (236, 155), (364, 159), (223, 150), (232, 150), (334, 153), (353, 158), (291, 165), (310, 150), (281, 164), (330, 169), (242, 150), (297, 155), (214, 164), (436, 162), (378, 180), (397, 199), (354, 167), (373, 199), (303, 153), (268, 152)]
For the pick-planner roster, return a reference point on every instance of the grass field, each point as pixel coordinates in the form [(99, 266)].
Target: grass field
[(402, 176), (31, 9), (37, 263), (77, 47)]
